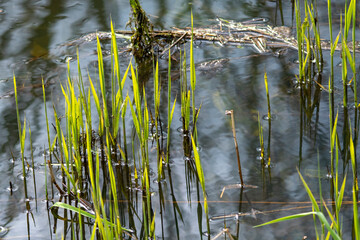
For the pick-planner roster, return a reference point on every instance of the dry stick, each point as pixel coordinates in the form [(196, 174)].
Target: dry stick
[(176, 42), (224, 231), (231, 113)]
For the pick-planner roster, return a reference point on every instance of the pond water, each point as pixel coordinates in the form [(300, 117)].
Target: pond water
[(33, 47)]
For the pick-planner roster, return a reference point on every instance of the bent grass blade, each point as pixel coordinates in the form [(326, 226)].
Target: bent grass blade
[(317, 213), (320, 215), (84, 213)]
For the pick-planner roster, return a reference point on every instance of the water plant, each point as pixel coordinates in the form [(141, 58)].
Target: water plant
[(91, 146), (107, 172), (332, 223)]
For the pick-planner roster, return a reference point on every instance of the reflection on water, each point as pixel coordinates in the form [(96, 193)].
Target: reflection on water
[(31, 47)]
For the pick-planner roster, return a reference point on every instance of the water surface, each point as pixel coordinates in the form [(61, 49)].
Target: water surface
[(33, 34)]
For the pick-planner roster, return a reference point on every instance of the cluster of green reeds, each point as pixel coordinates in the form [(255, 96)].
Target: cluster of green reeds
[(310, 66), (90, 148), (83, 151)]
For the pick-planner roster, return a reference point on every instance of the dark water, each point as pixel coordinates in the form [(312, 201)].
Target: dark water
[(32, 38)]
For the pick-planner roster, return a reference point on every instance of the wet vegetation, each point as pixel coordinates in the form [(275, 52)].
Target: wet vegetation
[(310, 71), (109, 160), (142, 40)]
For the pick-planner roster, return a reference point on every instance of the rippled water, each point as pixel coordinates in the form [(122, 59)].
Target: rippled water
[(33, 34)]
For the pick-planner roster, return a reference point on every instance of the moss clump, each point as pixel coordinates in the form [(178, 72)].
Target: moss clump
[(142, 28)]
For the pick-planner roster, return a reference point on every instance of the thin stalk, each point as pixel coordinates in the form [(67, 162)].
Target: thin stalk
[(299, 33), (268, 117), (22, 135), (267, 95), (344, 62), (193, 78), (231, 113), (353, 3), (33, 165), (261, 140), (331, 79), (49, 142), (169, 105)]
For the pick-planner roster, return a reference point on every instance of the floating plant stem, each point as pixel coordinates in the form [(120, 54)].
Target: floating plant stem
[(231, 113)]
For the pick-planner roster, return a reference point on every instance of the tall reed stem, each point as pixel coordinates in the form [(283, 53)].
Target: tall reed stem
[(231, 113)]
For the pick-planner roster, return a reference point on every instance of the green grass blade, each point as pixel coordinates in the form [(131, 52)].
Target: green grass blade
[(334, 45), (353, 163), (192, 62), (311, 196), (82, 212), (136, 95), (295, 216), (98, 107), (200, 174), (333, 221), (333, 134), (102, 82), (169, 106), (340, 197), (355, 211), (115, 53), (320, 215), (135, 119), (146, 118), (74, 209)]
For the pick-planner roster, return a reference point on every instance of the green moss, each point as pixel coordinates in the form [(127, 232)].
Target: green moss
[(142, 28)]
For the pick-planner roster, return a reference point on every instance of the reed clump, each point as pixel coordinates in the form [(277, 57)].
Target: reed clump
[(310, 52), (105, 171)]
